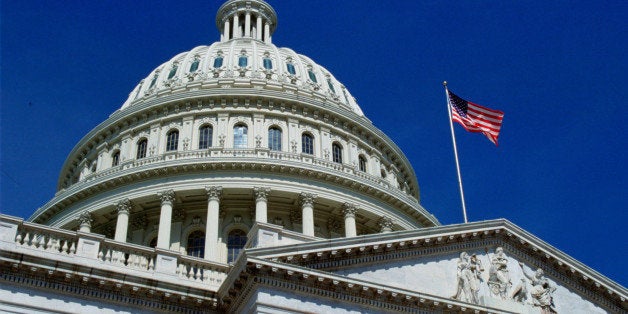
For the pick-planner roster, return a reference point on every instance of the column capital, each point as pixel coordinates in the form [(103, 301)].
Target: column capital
[(307, 199), (167, 197), (261, 193), (214, 193), (85, 218), (349, 209), (123, 207), (385, 223)]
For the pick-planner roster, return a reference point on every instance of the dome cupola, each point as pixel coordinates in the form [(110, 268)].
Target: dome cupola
[(254, 19)]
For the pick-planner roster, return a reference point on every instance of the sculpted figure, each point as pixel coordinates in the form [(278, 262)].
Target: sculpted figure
[(499, 277), (468, 278), (541, 291)]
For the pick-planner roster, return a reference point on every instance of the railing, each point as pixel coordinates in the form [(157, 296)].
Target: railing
[(95, 251), (260, 153), (41, 238)]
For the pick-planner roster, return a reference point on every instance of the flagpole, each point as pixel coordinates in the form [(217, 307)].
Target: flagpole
[(453, 138)]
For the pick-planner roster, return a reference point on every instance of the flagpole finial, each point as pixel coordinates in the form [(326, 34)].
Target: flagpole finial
[(445, 83)]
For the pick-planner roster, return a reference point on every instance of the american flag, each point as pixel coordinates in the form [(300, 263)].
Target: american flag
[(475, 118)]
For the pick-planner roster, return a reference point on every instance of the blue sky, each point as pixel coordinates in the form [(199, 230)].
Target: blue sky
[(556, 68)]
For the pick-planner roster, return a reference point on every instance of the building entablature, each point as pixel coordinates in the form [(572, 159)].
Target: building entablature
[(345, 256)]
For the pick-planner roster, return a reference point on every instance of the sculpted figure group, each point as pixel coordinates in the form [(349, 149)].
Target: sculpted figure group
[(500, 285)]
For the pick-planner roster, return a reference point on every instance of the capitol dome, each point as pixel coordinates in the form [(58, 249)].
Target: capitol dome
[(226, 135)]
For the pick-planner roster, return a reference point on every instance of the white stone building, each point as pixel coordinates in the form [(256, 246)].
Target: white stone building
[(243, 177)]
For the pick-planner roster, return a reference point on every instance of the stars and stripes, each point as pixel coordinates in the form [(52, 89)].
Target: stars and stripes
[(475, 118)]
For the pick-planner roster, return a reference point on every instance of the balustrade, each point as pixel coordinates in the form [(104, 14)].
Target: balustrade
[(38, 240)]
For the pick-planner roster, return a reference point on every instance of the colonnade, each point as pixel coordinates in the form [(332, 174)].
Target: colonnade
[(234, 28), (214, 195)]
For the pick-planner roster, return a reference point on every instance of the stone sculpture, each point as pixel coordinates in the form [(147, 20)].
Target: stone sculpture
[(468, 278), (499, 282), (541, 291)]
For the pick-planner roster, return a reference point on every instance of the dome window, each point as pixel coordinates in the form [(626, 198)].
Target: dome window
[(307, 144), (312, 76), (115, 159), (331, 86), (268, 63), (152, 83), (172, 142), (173, 71), (243, 61), (196, 244), (235, 243), (336, 151), (194, 65), (274, 138), (291, 69), (240, 136), (362, 163), (205, 137), (218, 62), (141, 148)]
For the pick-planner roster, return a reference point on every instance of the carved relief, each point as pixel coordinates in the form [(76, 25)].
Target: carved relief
[(468, 277), (86, 219), (123, 207), (541, 290), (533, 289)]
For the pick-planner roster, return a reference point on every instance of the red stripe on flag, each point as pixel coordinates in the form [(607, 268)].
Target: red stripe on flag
[(479, 119)]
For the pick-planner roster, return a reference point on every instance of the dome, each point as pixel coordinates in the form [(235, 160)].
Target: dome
[(233, 134), (245, 57)]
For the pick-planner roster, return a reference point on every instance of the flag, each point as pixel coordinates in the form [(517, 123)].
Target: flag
[(475, 118)]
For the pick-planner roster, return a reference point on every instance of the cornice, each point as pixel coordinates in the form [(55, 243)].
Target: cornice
[(367, 249), (257, 271)]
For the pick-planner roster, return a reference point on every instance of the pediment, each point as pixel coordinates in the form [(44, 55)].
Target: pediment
[(460, 264)]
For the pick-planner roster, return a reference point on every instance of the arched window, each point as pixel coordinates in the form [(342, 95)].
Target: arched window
[(362, 163), (152, 83), (274, 138), (336, 152), (115, 158), (312, 76), (331, 86), (205, 137), (194, 65), (268, 63), (218, 62), (383, 173), (93, 167), (235, 243), (307, 144), (173, 71), (243, 61), (240, 136), (172, 142), (196, 244), (141, 148), (291, 69)]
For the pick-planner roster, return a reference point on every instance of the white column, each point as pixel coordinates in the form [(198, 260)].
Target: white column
[(261, 204), (211, 226), (86, 219), (307, 207), (349, 211), (267, 33), (225, 31), (123, 209), (386, 224), (236, 27), (247, 25), (258, 29), (165, 219)]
